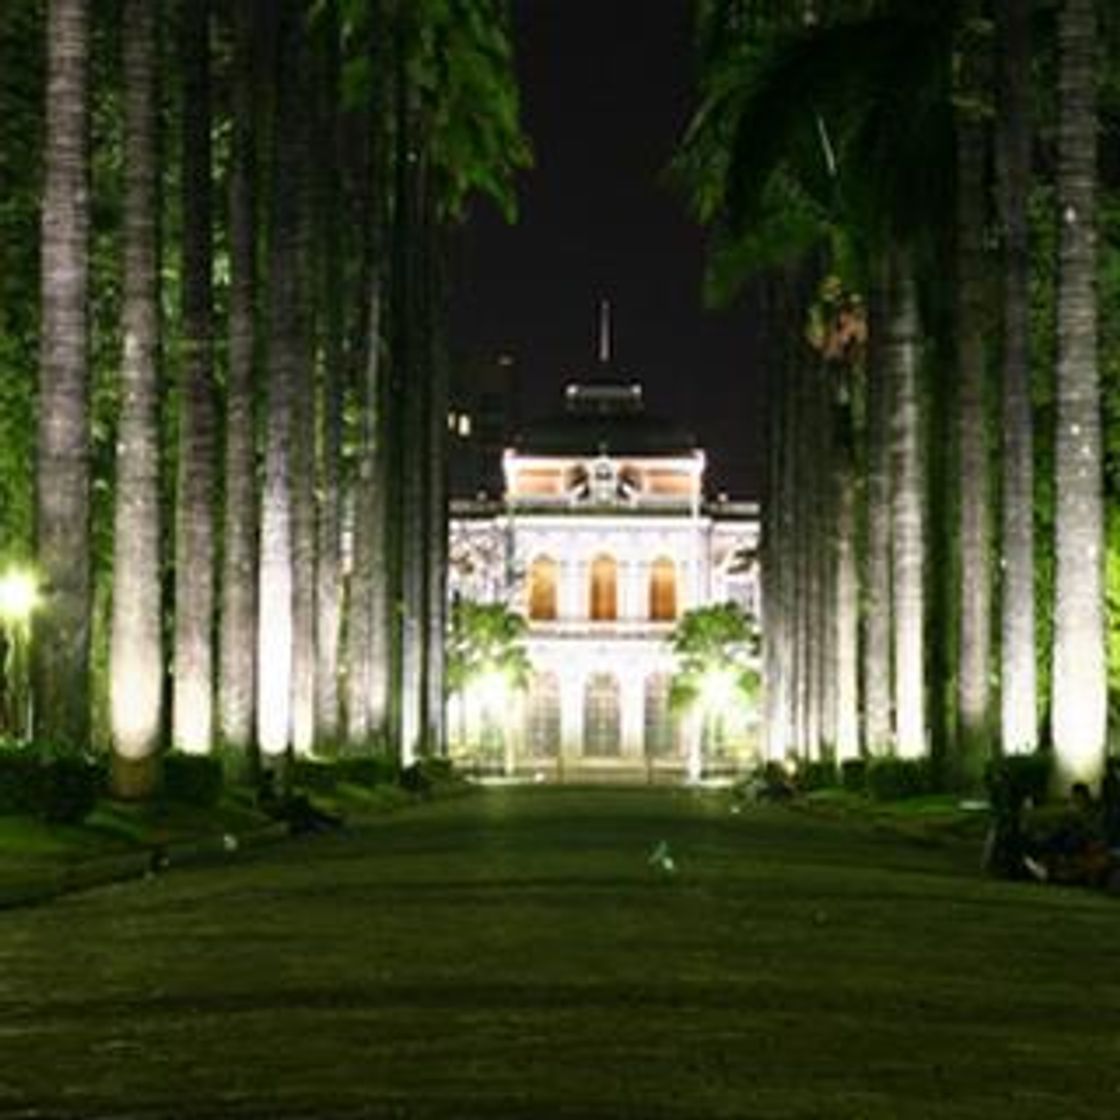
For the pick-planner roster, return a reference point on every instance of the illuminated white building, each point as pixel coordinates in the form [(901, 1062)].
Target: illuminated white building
[(602, 539)]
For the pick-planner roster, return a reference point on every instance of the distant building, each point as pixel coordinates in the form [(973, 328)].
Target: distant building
[(482, 416), (602, 538)]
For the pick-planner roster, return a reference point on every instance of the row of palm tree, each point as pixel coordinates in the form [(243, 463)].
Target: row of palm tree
[(844, 153), (323, 151)]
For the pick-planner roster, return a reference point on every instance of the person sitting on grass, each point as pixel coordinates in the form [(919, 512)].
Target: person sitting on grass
[(1074, 851), (295, 809)]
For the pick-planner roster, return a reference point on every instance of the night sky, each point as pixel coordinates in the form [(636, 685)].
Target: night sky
[(607, 90)]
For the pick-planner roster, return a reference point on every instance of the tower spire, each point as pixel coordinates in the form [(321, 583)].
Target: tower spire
[(605, 332)]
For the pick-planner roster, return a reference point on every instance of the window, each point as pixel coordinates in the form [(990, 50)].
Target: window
[(542, 724), (601, 717), (660, 728), (604, 589), (663, 590), (542, 589)]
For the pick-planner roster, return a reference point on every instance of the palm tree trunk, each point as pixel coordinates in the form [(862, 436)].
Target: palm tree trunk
[(877, 663), (975, 608), (907, 510), (285, 358), (193, 698), (237, 637), (436, 530), (136, 645), (1079, 679), (328, 581), (1018, 671), (846, 582), (61, 643), (410, 389), (367, 539), (775, 563), (303, 425)]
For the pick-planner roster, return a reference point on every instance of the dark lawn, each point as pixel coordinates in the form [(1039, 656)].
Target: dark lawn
[(514, 954)]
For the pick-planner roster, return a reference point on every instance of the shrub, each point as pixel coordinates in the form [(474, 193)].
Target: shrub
[(61, 789), (428, 774), (371, 770), (69, 786), (1027, 776), (192, 779), (891, 779), (853, 775), (821, 774), (19, 780), (313, 775)]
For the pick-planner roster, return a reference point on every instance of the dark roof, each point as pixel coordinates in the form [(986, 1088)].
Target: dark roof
[(585, 433)]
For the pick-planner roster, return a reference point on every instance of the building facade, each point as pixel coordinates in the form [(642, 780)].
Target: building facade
[(602, 540)]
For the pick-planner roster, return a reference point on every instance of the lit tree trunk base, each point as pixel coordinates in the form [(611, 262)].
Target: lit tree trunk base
[(1079, 701), (134, 779)]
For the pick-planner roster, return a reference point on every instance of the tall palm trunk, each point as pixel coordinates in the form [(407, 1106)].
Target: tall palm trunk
[(819, 543), (285, 358), (135, 652), (1079, 681), (410, 388), (877, 661), (776, 567), (303, 503), (1018, 671), (303, 419), (907, 510), (436, 529), (974, 648), (367, 536), (846, 581), (193, 698), (237, 639), (328, 578), (61, 644)]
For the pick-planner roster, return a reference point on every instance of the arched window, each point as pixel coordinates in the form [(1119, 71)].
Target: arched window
[(663, 590), (604, 589), (542, 722), (601, 716), (660, 728), (542, 589)]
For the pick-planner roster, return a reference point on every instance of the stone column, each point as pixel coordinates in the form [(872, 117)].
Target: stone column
[(632, 681), (571, 716)]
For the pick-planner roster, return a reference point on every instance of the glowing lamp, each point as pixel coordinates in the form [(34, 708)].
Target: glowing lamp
[(19, 596), (492, 689), (719, 689)]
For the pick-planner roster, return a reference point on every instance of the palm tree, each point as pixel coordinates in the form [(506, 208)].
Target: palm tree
[(878, 734), (1018, 673), (456, 132), (717, 673), (907, 507), (61, 642), (192, 699), (303, 446), (1078, 706), (237, 637), (285, 366), (330, 280), (135, 653), (975, 609)]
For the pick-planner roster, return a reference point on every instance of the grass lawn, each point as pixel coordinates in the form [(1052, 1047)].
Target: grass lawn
[(515, 954)]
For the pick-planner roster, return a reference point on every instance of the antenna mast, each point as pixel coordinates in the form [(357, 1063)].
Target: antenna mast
[(605, 332)]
